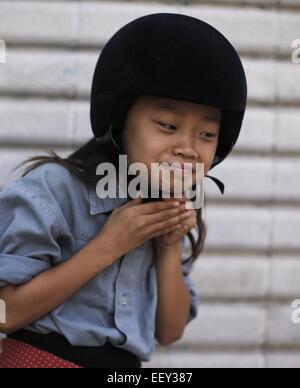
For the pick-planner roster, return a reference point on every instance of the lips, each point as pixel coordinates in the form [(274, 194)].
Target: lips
[(182, 166)]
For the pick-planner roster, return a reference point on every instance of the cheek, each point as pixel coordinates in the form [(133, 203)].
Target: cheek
[(207, 153), (142, 148)]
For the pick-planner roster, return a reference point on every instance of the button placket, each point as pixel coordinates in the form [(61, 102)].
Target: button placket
[(124, 300)]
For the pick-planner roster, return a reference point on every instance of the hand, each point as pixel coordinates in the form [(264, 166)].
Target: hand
[(132, 224), (173, 237)]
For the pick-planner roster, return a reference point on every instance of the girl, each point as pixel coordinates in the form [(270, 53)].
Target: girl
[(93, 282)]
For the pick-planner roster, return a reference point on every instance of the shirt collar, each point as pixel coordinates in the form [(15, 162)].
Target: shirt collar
[(103, 205)]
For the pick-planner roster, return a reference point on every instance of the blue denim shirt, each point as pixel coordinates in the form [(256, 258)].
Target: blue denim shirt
[(46, 217)]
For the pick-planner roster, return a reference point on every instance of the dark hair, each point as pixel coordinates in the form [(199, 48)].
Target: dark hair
[(83, 164)]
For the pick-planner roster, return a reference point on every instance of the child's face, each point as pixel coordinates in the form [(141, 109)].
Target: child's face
[(155, 134)]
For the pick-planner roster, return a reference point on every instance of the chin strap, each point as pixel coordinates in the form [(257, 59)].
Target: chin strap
[(220, 185)]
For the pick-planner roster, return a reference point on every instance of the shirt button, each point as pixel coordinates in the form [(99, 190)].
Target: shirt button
[(124, 300)]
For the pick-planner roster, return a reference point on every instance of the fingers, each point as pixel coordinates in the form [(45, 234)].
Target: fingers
[(188, 224), (173, 229), (167, 224), (155, 207), (133, 202), (188, 203), (169, 230), (165, 214), (179, 229), (181, 200)]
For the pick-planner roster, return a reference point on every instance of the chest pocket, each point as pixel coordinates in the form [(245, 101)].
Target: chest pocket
[(85, 232)]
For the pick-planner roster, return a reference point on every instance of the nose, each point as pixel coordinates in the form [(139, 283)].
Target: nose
[(185, 149)]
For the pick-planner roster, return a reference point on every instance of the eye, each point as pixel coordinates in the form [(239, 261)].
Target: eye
[(165, 125), (209, 135)]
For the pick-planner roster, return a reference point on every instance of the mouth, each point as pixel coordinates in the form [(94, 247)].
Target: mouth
[(186, 167)]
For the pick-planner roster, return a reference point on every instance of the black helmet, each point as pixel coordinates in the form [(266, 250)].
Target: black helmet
[(174, 56)]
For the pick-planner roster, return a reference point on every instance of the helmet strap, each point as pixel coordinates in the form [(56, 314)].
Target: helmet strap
[(220, 184)]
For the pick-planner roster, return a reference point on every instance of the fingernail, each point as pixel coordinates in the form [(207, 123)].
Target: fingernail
[(189, 205)]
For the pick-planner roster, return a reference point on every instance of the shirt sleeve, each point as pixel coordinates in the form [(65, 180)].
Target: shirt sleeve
[(186, 270), (29, 231)]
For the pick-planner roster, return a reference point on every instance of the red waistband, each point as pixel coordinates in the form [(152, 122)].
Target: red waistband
[(16, 354)]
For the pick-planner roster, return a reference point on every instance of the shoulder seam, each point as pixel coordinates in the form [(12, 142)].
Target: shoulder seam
[(59, 223)]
